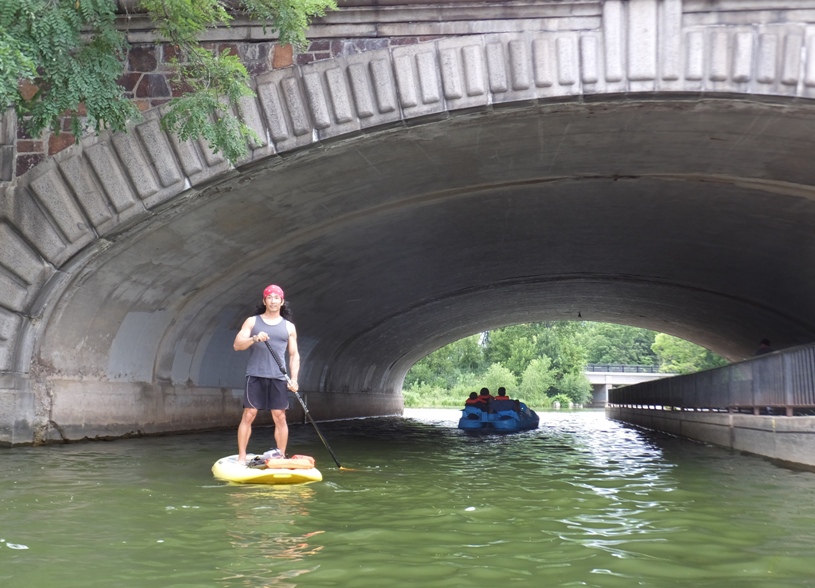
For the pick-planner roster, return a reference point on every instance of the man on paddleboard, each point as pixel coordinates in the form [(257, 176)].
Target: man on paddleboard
[(266, 385)]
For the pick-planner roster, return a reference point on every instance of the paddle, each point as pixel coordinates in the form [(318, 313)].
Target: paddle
[(303, 404)]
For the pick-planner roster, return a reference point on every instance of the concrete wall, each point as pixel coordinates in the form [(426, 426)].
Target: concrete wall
[(95, 410), (785, 439)]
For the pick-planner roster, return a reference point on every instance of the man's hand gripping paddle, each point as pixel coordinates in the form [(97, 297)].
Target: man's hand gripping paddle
[(303, 404)]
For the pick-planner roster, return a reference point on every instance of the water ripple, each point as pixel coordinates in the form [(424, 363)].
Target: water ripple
[(581, 501)]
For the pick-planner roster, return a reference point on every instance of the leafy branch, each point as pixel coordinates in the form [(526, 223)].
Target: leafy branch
[(59, 57), (65, 58)]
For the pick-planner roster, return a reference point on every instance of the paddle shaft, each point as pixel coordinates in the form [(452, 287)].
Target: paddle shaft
[(303, 404)]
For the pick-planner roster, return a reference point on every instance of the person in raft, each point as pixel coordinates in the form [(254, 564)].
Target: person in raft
[(472, 399), (503, 402), (484, 398), (266, 386)]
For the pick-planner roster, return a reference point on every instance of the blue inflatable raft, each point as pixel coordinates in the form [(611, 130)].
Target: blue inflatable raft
[(497, 419)]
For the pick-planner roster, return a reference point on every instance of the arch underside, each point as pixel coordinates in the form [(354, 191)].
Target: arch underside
[(660, 214), (683, 212)]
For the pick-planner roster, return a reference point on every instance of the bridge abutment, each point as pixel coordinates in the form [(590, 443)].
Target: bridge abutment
[(739, 406)]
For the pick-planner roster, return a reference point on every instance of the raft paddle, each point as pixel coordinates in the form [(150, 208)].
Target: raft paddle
[(303, 404)]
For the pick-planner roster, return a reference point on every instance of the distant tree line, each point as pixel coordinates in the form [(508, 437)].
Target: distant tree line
[(541, 363)]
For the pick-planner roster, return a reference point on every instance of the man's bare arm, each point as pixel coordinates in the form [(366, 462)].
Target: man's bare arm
[(244, 340), (294, 358)]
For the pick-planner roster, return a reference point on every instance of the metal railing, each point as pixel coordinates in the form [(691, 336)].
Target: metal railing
[(782, 382), (617, 367)]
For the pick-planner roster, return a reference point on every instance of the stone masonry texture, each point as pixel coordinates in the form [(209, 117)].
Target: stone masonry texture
[(149, 81)]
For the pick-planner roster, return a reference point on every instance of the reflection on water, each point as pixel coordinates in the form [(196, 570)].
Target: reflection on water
[(582, 501), (265, 527)]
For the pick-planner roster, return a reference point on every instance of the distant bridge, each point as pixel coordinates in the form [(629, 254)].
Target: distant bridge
[(605, 376)]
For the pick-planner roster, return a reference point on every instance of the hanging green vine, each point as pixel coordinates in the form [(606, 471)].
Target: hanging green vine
[(65, 57)]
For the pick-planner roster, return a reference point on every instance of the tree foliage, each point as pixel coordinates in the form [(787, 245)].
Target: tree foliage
[(61, 57), (678, 356), (447, 366), (576, 387), (57, 55), (537, 381), (610, 343), (498, 376)]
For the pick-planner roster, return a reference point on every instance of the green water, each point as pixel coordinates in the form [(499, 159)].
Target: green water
[(582, 501)]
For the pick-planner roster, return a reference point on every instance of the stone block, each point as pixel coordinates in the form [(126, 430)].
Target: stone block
[(79, 177), (27, 162), (56, 198), (158, 149), (60, 142), (155, 181), (510, 67), (282, 99), (556, 64), (10, 324), (249, 112), (418, 81), (8, 127), (153, 86), (110, 175), (198, 163), (329, 99), (283, 56), (463, 69), (30, 146), (39, 229), (17, 415), (373, 88), (142, 58), (129, 81), (6, 163)]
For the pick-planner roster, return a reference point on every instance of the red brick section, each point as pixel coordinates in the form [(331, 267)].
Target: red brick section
[(27, 90), (148, 79), (29, 146), (283, 57), (57, 143)]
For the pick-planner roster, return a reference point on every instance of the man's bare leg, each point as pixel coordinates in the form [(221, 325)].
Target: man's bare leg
[(281, 429), (245, 431)]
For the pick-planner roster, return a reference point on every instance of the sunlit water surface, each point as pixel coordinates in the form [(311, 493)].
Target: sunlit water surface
[(582, 501)]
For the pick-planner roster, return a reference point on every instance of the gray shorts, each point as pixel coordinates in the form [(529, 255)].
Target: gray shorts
[(265, 394)]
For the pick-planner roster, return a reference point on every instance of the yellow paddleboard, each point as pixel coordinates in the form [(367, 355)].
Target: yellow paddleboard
[(228, 469)]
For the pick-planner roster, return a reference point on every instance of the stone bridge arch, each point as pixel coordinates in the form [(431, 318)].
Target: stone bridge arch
[(646, 165)]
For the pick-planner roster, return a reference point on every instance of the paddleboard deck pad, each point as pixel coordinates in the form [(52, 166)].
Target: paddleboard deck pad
[(298, 469)]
